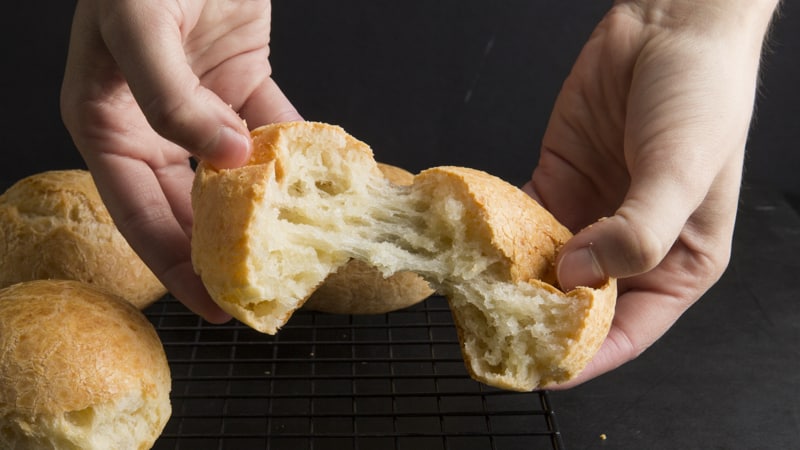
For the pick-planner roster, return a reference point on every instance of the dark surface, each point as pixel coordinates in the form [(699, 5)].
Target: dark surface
[(384, 381), (424, 83), (727, 375), (471, 83)]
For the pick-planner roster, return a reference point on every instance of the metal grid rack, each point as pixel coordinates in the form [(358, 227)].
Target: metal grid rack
[(329, 381)]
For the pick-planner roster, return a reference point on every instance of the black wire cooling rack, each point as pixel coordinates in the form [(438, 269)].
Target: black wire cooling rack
[(324, 381)]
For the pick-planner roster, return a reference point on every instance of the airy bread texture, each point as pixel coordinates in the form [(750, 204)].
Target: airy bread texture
[(80, 369), (312, 198), (358, 288), (53, 225)]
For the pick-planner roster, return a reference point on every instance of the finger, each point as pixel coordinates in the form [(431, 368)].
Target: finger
[(176, 183), (268, 104), (150, 53), (143, 215), (667, 186), (659, 297)]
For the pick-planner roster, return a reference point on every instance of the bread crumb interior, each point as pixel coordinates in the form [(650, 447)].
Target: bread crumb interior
[(328, 207)]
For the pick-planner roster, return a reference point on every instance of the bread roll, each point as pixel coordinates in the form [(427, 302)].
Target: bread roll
[(358, 288), (54, 225), (79, 369), (312, 198)]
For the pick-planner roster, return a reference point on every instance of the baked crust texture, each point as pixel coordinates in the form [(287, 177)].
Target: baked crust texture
[(54, 225), (312, 200), (79, 369)]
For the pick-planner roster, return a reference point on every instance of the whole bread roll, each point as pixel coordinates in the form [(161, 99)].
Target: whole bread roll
[(312, 198), (80, 369), (358, 288), (54, 225)]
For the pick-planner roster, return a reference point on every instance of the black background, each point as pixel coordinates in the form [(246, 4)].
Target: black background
[(472, 83), (424, 83)]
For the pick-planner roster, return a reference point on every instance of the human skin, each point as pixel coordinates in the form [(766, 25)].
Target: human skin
[(150, 84), (642, 158)]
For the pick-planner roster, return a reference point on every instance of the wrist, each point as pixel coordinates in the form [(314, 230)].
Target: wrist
[(705, 16)]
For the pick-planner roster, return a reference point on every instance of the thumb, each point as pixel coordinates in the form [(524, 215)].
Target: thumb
[(636, 238)]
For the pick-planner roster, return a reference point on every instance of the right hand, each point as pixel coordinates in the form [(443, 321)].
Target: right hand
[(643, 156), (149, 84)]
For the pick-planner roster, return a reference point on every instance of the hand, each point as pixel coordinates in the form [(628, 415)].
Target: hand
[(649, 130), (148, 84)]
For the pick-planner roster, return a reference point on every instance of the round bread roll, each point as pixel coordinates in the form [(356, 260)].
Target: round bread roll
[(358, 288), (80, 369), (53, 225), (312, 198)]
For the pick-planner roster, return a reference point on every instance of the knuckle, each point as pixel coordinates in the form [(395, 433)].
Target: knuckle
[(167, 115), (173, 118), (708, 265), (648, 249), (641, 247), (152, 213), (146, 219)]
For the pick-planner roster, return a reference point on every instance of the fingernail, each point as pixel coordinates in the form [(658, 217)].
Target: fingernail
[(229, 149), (580, 268)]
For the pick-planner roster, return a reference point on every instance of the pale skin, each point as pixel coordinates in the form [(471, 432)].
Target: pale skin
[(648, 132), (642, 156), (148, 84)]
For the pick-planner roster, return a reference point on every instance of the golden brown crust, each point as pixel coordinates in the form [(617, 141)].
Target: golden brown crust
[(527, 238), (396, 175), (313, 198), (587, 334), (53, 225), (506, 219), (222, 234), (591, 332), (70, 352), (223, 238), (358, 288), (270, 142)]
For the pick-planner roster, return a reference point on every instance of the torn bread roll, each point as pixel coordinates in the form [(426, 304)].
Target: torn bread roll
[(53, 225), (312, 197), (358, 288), (80, 369)]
